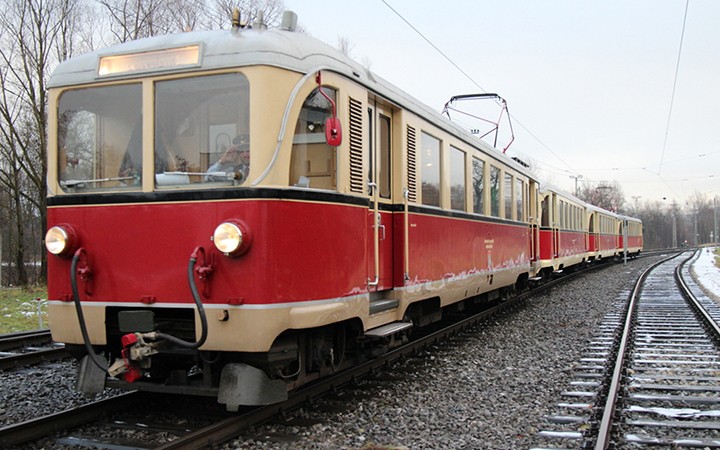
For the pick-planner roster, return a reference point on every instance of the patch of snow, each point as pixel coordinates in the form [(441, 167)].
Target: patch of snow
[(707, 273)]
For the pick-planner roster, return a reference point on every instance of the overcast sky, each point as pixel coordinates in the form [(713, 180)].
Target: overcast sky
[(588, 83)]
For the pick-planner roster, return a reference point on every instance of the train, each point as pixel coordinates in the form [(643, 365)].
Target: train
[(237, 213)]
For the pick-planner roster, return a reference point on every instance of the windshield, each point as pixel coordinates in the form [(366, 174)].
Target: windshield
[(201, 130), (97, 127), (201, 134)]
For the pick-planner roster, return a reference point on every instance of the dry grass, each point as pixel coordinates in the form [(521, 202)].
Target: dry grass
[(20, 309)]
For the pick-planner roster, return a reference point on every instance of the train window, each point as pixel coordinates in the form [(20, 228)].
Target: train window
[(430, 170), (545, 212), (478, 186), (494, 191), (383, 167), (201, 130), (508, 197), (576, 220), (100, 138), (457, 179), (561, 214), (519, 200), (313, 162)]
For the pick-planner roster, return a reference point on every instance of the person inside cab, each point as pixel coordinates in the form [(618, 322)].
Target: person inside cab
[(235, 160)]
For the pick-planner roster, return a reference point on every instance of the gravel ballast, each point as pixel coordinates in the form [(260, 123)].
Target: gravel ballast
[(488, 388)]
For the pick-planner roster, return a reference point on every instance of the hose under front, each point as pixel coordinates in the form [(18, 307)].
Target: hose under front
[(78, 308), (201, 311)]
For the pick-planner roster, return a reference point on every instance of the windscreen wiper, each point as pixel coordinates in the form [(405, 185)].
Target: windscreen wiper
[(79, 183)]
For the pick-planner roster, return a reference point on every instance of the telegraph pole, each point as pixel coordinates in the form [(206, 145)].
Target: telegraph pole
[(577, 188)]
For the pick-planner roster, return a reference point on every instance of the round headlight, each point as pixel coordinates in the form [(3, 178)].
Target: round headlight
[(232, 238), (61, 240)]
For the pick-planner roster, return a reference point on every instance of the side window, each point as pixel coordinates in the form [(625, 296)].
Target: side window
[(457, 179), (494, 191), (100, 138), (383, 167), (561, 214), (430, 170), (519, 199), (478, 186), (313, 162), (508, 196)]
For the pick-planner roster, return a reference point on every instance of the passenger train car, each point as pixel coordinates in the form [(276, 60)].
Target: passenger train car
[(236, 213)]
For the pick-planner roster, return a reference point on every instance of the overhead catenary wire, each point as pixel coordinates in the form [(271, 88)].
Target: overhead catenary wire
[(472, 80), (672, 96)]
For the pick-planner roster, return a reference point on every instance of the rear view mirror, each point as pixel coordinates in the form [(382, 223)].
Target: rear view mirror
[(333, 128), (333, 132)]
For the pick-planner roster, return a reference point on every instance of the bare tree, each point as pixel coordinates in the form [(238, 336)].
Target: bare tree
[(344, 45), (702, 211), (34, 35), (605, 195), (37, 34), (134, 19)]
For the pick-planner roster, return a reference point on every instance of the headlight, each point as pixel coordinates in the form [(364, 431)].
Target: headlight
[(232, 238), (61, 240)]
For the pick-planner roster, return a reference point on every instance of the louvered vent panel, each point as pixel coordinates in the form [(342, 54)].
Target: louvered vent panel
[(356, 153), (411, 164)]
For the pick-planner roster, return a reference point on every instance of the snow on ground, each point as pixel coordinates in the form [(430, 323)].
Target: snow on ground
[(706, 272)]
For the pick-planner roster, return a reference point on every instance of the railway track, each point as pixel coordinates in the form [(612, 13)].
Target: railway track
[(652, 375), (24, 338), (229, 426), (29, 348)]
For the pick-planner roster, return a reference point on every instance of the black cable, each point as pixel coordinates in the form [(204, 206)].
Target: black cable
[(201, 311), (672, 96), (78, 308)]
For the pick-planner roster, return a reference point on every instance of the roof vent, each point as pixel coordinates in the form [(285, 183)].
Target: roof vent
[(259, 23), (289, 21)]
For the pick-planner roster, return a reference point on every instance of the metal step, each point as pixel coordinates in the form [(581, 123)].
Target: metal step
[(378, 306), (387, 330)]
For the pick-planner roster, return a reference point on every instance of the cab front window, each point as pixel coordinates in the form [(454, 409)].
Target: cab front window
[(202, 130), (100, 138)]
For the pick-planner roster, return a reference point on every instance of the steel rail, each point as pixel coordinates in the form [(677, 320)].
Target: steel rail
[(14, 340), (606, 423), (33, 357), (232, 427), (30, 430), (710, 324)]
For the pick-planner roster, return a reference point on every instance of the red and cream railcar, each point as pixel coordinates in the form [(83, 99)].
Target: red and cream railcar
[(604, 229), (631, 235), (235, 213), (563, 234)]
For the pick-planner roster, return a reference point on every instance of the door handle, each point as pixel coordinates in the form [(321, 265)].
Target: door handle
[(380, 226)]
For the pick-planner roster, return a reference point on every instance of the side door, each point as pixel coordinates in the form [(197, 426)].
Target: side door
[(380, 213), (534, 214)]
